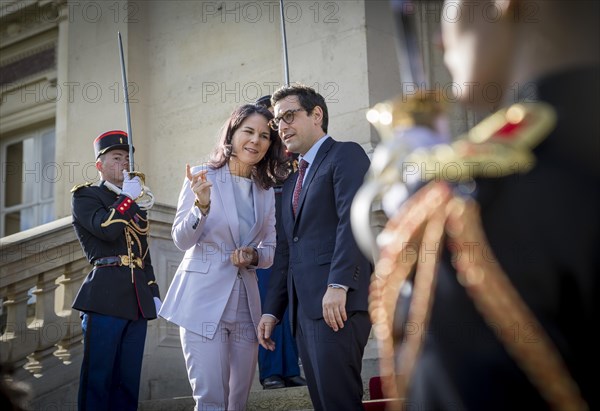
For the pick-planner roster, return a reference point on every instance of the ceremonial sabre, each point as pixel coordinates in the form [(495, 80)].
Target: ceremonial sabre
[(410, 59), (127, 114), (286, 67), (387, 161)]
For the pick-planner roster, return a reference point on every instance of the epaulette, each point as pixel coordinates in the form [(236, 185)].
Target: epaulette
[(500, 145), (78, 186)]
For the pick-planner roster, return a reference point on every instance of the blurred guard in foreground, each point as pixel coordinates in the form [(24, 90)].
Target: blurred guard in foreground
[(497, 261)]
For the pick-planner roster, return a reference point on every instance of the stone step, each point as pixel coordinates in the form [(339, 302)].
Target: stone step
[(170, 404), (284, 399), (293, 398)]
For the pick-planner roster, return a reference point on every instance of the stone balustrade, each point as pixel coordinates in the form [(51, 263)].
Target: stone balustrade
[(40, 272)]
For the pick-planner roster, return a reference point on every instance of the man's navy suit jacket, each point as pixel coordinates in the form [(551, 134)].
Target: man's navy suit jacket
[(316, 247)]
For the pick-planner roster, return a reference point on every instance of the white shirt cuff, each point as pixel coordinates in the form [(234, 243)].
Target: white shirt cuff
[(272, 316), (345, 287)]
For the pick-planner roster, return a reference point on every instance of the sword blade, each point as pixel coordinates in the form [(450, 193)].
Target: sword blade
[(408, 51), (126, 93), (286, 67)]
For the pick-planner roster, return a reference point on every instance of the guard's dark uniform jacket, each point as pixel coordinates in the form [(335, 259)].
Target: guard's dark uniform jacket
[(122, 282), (528, 286)]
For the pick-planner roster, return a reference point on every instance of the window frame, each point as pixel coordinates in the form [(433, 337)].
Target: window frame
[(37, 202)]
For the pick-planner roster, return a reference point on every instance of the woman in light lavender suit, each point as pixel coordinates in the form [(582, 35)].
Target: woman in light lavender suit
[(225, 223)]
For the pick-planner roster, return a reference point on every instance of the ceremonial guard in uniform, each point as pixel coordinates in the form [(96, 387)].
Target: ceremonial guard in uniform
[(120, 294), (487, 284)]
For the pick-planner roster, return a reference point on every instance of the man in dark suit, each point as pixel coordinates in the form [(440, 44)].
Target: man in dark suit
[(120, 294), (278, 368), (318, 267)]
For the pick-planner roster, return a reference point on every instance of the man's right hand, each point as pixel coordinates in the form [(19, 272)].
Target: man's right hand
[(264, 331), (132, 187)]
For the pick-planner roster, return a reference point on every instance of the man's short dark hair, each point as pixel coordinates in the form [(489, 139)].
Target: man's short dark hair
[(308, 98)]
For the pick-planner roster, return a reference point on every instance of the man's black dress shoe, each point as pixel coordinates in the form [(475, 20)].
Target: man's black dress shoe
[(273, 382), (295, 381)]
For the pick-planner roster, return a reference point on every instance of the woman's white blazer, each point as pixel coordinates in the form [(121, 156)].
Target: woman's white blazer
[(203, 282)]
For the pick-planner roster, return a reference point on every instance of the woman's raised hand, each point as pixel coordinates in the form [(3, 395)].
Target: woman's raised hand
[(199, 185)]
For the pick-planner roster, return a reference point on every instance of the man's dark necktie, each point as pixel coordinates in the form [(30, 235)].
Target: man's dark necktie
[(301, 171)]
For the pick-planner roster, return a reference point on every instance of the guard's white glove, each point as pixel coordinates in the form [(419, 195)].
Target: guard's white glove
[(132, 187), (157, 304)]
